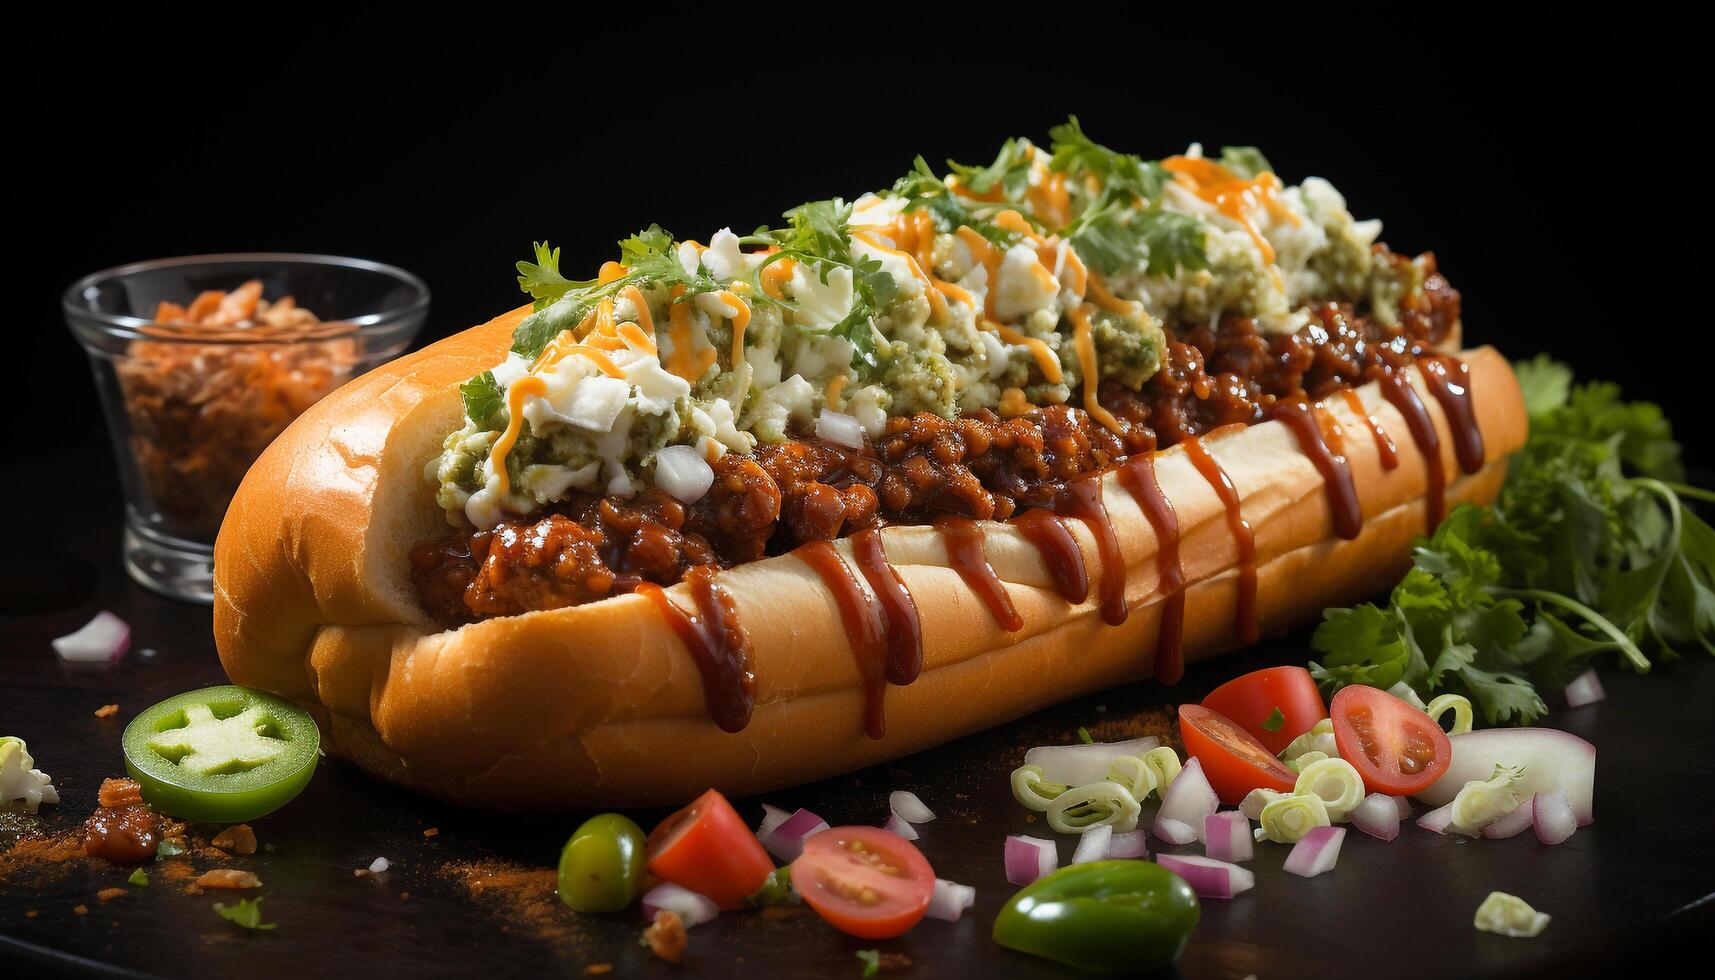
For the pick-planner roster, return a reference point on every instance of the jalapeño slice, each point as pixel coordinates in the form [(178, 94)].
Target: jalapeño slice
[(221, 754)]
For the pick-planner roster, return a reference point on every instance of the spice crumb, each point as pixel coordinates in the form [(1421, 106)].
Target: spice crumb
[(107, 711), (239, 839), (666, 936), (228, 878), (432, 832), (80, 909), (109, 894), (360, 873), (32, 913), (598, 969)]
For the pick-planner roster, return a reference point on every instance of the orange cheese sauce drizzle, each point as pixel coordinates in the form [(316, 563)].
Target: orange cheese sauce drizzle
[(1232, 195)]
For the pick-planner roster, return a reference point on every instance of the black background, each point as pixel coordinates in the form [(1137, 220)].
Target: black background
[(1553, 176)]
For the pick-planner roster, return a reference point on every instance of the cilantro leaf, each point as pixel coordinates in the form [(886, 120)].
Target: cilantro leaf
[(482, 397), (247, 913), (1274, 722), (871, 962), (1122, 174), (1010, 171), (542, 279)]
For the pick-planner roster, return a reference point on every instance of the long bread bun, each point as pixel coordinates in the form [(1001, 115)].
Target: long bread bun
[(601, 705)]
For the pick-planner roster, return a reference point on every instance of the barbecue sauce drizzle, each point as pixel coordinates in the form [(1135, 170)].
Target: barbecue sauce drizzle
[(1084, 502), (717, 643), (1449, 380), (1137, 475), (1386, 451), (866, 628), (1060, 552), (899, 613), (1336, 472), (965, 552), (1245, 625)]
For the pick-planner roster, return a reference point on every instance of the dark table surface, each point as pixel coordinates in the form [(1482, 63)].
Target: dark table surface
[(1622, 891)]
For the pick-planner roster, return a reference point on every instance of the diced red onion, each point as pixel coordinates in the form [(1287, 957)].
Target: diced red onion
[(1552, 760), (1093, 844), (1084, 763), (1404, 805), (900, 826), (1315, 852), (1585, 689), (772, 817), (1174, 831), (1227, 836), (950, 900), (683, 473), (840, 428), (102, 640), (1378, 815), (1512, 824), (786, 841), (693, 909), (1029, 858), (1208, 877), (1553, 817), (1187, 801), (1437, 820), (906, 804), (1132, 844)]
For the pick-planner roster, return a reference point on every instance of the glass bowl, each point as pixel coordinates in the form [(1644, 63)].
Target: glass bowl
[(190, 407)]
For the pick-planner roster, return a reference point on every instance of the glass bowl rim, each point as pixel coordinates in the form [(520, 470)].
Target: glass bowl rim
[(131, 327)]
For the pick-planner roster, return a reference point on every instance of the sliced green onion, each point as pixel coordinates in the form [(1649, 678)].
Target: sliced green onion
[(1335, 782), (1164, 762), (1510, 915), (1251, 806), (1481, 801), (1405, 692), (1274, 722), (1032, 791), (1082, 807), (1298, 764), (1084, 736), (1287, 819), (1319, 738), (1134, 774), (1459, 705)]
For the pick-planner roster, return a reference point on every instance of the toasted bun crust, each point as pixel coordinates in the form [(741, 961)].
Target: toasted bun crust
[(601, 705)]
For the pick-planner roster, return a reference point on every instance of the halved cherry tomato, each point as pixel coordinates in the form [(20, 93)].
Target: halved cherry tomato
[(1234, 762), (864, 881), (707, 848), (1398, 749), (1250, 701)]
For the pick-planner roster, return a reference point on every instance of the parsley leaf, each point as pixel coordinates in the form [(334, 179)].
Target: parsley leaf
[(542, 279), (247, 913), (1114, 238), (1010, 171), (1075, 154), (482, 397), (871, 962)]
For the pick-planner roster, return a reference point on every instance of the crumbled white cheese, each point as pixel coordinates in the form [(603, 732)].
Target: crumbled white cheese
[(723, 258), (19, 781), (378, 865), (820, 305), (1022, 285)]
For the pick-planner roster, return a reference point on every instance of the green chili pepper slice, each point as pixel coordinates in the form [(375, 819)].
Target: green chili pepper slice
[(221, 754), (1104, 916)]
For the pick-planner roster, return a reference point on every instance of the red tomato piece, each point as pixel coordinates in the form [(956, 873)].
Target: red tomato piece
[(1233, 761), (1398, 749), (864, 881), (1250, 701), (708, 848)]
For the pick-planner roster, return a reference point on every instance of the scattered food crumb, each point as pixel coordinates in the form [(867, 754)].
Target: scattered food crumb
[(1030, 818), (228, 878), (777, 912), (107, 711), (432, 832), (378, 865), (32, 913), (666, 936), (895, 963), (598, 969), (269, 847), (119, 792), (109, 894), (239, 839), (360, 873), (80, 909), (404, 896)]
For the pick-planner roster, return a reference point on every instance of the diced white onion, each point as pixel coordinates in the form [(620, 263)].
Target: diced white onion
[(378, 865), (772, 817), (1208, 877), (900, 826), (1093, 844), (1084, 763), (1227, 836), (1132, 844), (1585, 689), (1187, 801), (684, 473), (1315, 852), (1553, 817), (950, 900), (1514, 823), (693, 909), (1029, 858), (1378, 815), (906, 804), (840, 429), (786, 841)]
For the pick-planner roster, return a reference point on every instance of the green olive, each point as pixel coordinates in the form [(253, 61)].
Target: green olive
[(601, 868)]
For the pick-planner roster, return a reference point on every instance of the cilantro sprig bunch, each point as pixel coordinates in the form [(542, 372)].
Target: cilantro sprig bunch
[(1590, 550), (1124, 225)]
